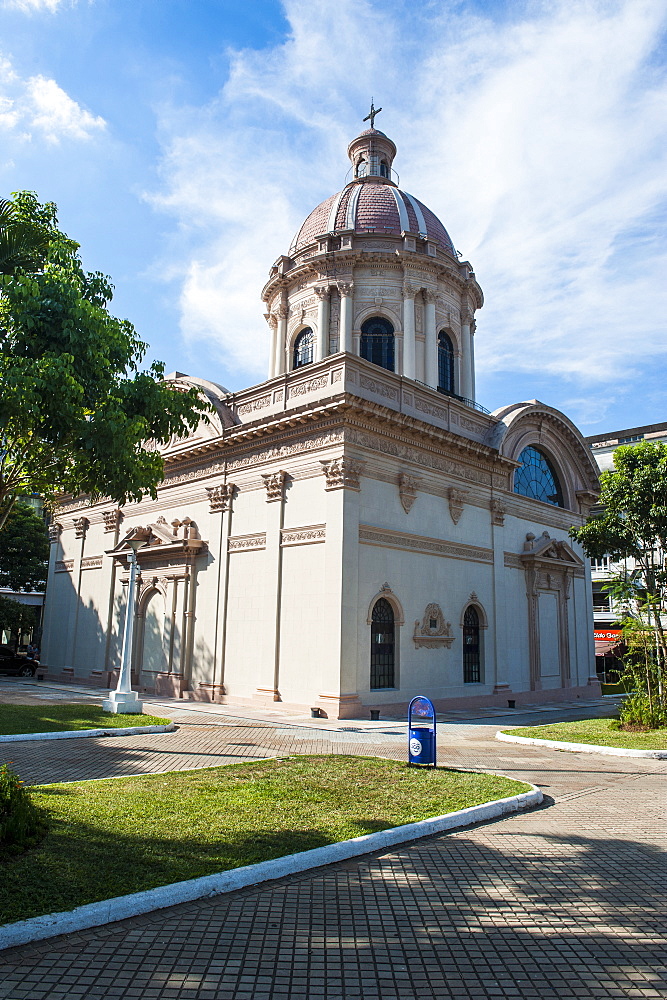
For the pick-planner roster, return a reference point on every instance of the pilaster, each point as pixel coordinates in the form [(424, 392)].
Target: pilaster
[(268, 689), (431, 347), (323, 312), (409, 347)]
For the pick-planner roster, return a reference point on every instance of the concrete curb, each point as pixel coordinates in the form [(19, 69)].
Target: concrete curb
[(136, 903), (73, 734), (583, 747)]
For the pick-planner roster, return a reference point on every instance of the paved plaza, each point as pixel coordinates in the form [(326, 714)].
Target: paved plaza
[(565, 901)]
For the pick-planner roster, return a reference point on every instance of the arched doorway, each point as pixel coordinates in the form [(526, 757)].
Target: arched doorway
[(377, 342), (383, 645), (153, 658)]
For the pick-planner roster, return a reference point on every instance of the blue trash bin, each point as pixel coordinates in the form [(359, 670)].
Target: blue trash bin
[(421, 731)]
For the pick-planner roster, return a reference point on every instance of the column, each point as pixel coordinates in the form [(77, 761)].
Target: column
[(472, 359), (431, 347), (345, 290), (272, 320), (322, 351), (409, 367), (112, 519), (268, 689), (80, 528), (220, 498), (282, 312), (55, 530), (500, 636), (466, 369)]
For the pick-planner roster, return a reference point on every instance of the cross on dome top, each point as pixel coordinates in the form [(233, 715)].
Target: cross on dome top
[(370, 117)]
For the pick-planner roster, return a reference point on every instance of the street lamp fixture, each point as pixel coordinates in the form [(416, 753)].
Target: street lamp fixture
[(124, 700)]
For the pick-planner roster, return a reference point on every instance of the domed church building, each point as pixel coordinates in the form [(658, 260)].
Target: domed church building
[(357, 529)]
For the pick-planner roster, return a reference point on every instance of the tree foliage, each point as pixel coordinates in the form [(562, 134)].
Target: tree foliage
[(76, 410), (16, 617), (633, 526), (24, 550)]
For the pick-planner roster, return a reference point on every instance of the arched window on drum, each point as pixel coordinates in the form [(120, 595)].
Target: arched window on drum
[(536, 478), (383, 645), (377, 342), (304, 346), (445, 364)]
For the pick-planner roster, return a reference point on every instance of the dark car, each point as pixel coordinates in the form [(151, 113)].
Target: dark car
[(12, 663)]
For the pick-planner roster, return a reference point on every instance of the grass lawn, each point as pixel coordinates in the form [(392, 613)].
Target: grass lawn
[(108, 838), (596, 731), (15, 719)]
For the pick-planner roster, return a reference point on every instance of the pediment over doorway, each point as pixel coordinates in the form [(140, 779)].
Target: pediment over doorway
[(549, 550), (163, 541)]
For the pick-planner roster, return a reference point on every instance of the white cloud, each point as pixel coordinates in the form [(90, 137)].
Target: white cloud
[(35, 6), (37, 107), (538, 138)]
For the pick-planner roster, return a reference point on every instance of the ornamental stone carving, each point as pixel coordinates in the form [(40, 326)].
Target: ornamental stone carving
[(342, 473), (55, 531), (345, 287), (409, 290), (322, 291), (274, 483), (456, 499), (220, 497), (433, 630), (81, 526), (112, 519), (407, 490), (498, 511), (271, 319)]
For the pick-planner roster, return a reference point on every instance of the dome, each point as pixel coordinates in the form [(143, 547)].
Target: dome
[(373, 202)]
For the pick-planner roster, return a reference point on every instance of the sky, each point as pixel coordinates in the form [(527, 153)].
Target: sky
[(184, 142)]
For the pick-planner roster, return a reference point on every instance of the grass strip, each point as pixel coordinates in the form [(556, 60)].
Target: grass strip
[(596, 731), (18, 719), (108, 838)]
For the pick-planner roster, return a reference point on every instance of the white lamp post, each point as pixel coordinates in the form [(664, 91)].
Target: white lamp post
[(124, 699)]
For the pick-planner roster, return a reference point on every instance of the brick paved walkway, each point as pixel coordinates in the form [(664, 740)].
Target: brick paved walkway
[(565, 902)]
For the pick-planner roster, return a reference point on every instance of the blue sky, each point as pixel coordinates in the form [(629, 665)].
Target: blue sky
[(185, 140)]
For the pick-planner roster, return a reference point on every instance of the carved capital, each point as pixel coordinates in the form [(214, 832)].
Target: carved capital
[(342, 473), (433, 630), (220, 497), (81, 526), (456, 499), (55, 531), (271, 319), (409, 290), (274, 483), (407, 490), (431, 298), (498, 511), (112, 519), (345, 288), (322, 292), (282, 312)]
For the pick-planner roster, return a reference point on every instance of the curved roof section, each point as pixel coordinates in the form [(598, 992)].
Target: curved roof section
[(373, 208)]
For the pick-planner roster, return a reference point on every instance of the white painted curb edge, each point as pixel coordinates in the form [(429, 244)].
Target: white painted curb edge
[(73, 734), (583, 747), (136, 903)]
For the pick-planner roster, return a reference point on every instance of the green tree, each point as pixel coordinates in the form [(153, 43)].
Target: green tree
[(76, 410), (633, 526), (24, 238), (16, 617), (24, 550)]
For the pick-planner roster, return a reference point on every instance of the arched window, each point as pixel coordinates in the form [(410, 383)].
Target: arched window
[(384, 168), (445, 363), (472, 664), (377, 342), (383, 641), (361, 167), (303, 348), (536, 478)]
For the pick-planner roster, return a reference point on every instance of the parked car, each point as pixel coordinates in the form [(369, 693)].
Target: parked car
[(14, 663)]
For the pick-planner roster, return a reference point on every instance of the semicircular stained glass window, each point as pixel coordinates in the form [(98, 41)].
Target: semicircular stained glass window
[(537, 479)]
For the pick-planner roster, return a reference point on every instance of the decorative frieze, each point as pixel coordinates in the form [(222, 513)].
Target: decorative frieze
[(379, 388), (407, 490), (64, 565), (303, 536), (342, 473), (244, 543), (274, 483), (303, 388), (420, 543), (260, 403), (220, 497), (55, 531), (433, 630), (81, 525), (91, 562), (112, 519)]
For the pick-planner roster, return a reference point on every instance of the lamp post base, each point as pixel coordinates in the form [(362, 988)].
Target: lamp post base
[(123, 703)]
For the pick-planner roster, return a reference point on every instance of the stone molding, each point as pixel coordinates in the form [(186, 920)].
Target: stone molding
[(220, 497), (342, 473), (433, 630), (55, 531), (92, 562), (64, 566), (407, 490), (274, 483), (112, 519), (303, 536), (244, 543), (498, 511), (456, 498), (420, 543), (81, 525)]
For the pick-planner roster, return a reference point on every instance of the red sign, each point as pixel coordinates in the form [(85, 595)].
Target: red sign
[(607, 635)]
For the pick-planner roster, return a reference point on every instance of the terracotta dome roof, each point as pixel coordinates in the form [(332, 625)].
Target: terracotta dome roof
[(367, 207)]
